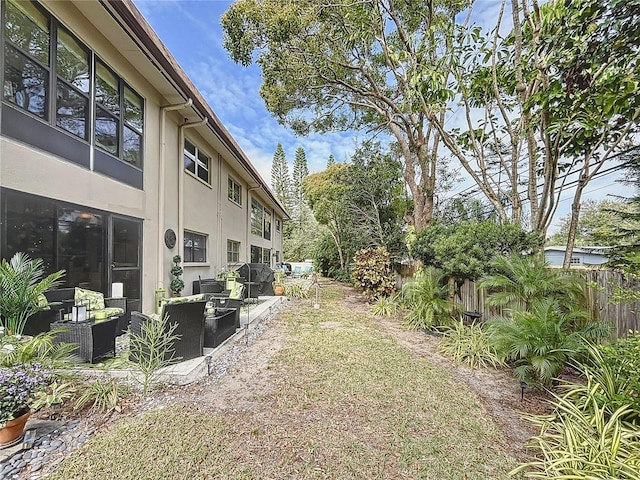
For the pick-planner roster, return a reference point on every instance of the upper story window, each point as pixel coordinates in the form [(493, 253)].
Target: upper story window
[(277, 224), (195, 247), (58, 90), (235, 191), (267, 225), (260, 220), (196, 162), (257, 217)]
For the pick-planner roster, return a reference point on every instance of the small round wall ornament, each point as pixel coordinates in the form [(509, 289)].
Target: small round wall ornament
[(170, 238)]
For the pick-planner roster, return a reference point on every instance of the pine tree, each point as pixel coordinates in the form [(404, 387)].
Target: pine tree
[(280, 181), (331, 161), (300, 171)]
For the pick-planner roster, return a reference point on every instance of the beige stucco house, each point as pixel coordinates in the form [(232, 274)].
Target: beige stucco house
[(111, 161)]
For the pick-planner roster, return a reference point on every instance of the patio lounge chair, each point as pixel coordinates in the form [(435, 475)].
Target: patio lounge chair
[(189, 315)]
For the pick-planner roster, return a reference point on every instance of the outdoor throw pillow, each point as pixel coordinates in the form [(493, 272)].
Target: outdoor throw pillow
[(189, 298), (236, 292), (94, 300), (42, 302)]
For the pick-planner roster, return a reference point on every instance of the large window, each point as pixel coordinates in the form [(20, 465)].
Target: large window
[(195, 247), (54, 84), (260, 255), (257, 217), (233, 251), (196, 162), (95, 248), (119, 117), (235, 191), (267, 225), (260, 220)]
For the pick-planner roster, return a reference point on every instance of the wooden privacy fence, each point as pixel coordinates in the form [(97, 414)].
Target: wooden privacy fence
[(600, 296)]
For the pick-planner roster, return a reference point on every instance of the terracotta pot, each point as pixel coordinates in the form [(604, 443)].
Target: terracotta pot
[(278, 290), (13, 429)]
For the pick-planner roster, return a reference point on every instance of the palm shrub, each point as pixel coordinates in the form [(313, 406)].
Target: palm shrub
[(372, 272), (386, 306), (542, 341), (22, 285), (41, 349), (470, 345), (425, 296), (521, 281)]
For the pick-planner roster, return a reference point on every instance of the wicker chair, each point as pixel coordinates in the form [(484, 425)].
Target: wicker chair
[(190, 319), (219, 327)]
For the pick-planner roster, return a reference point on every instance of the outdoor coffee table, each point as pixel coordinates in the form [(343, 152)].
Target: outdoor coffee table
[(92, 339)]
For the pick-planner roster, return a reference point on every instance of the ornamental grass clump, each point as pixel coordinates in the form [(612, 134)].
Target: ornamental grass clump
[(19, 385)]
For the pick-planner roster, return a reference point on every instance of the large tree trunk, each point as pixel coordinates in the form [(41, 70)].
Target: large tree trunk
[(573, 224)]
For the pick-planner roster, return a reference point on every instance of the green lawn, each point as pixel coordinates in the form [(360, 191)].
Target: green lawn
[(348, 403)]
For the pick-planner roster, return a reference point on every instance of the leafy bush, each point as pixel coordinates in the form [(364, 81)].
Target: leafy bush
[(541, 342), (104, 396), (372, 272), (340, 274), (386, 306), (425, 298), (470, 345), (298, 290)]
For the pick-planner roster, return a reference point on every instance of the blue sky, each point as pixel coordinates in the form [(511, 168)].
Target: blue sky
[(191, 30)]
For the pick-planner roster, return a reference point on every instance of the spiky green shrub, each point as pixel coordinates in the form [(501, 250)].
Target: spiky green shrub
[(593, 431), (298, 290), (541, 342), (578, 444), (41, 349), (102, 395), (372, 272), (386, 306), (470, 345), (425, 298)]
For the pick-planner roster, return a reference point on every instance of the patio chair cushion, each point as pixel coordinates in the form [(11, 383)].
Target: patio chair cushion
[(187, 299), (106, 313), (95, 300)]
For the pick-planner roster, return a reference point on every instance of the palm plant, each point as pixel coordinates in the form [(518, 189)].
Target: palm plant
[(426, 298), (22, 284), (521, 281), (541, 342)]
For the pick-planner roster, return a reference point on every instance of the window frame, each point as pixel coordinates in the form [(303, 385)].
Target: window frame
[(199, 165), (233, 256), (189, 258), (231, 191)]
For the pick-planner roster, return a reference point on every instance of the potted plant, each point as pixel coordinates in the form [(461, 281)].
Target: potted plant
[(19, 385), (177, 284), (278, 284), (22, 287)]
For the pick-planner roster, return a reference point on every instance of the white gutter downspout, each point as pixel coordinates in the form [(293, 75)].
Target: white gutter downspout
[(161, 180), (183, 127)]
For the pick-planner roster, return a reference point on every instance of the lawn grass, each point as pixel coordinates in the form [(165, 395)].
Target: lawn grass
[(348, 403)]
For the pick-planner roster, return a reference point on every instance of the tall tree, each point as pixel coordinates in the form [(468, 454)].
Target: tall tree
[(280, 181), (300, 172), (331, 160), (343, 64)]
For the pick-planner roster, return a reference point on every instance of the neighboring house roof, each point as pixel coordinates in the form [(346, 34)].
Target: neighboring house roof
[(596, 250), (140, 28)]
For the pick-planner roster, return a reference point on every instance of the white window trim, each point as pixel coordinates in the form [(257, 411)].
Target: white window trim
[(197, 162)]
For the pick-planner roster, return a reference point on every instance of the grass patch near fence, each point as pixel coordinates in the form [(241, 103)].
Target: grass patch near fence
[(348, 403)]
